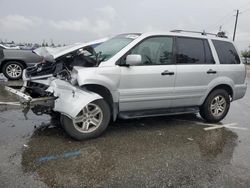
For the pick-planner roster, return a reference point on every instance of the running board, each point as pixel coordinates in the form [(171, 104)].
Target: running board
[(157, 112)]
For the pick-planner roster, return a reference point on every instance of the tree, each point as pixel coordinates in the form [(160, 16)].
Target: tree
[(246, 54)]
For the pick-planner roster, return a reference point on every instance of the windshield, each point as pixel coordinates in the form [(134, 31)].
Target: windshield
[(111, 47)]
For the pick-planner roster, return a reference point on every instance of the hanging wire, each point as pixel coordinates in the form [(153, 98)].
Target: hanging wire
[(218, 22), (226, 17), (244, 5), (245, 11)]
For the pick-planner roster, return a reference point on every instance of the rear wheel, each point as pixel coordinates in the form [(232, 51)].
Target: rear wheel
[(90, 122), (216, 106), (13, 70)]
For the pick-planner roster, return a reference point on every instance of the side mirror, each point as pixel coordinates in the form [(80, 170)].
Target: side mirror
[(134, 59)]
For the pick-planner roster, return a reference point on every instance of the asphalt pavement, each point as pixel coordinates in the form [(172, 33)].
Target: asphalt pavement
[(171, 151)]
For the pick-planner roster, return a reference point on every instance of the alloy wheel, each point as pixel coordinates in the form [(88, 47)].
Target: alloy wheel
[(14, 70), (218, 105), (89, 119)]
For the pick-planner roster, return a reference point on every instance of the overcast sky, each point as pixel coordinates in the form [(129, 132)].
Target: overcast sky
[(70, 21)]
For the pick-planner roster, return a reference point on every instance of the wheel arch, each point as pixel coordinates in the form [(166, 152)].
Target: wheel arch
[(226, 87), (9, 60), (106, 94)]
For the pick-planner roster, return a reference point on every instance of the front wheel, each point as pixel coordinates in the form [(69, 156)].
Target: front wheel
[(92, 121), (216, 106)]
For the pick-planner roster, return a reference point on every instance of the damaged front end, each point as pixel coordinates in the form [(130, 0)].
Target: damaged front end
[(53, 95), (47, 86)]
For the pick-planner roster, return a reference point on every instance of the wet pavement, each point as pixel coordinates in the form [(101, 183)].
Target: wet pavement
[(172, 151)]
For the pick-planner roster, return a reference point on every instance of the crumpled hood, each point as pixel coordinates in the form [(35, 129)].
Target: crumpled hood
[(60, 51)]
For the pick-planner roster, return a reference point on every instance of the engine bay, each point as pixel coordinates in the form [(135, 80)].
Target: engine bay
[(84, 57)]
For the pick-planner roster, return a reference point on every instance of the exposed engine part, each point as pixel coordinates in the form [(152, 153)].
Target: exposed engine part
[(37, 90), (84, 57)]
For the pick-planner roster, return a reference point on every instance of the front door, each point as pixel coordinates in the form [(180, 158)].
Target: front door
[(151, 84)]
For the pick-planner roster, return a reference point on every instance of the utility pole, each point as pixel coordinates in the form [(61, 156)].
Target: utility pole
[(236, 21)]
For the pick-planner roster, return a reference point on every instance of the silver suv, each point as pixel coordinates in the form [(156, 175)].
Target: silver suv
[(139, 75)]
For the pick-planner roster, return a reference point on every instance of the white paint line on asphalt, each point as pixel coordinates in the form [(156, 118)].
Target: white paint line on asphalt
[(207, 124), (229, 126), (232, 126), (214, 127)]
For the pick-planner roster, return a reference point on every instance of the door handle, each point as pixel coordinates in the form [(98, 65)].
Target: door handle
[(166, 72), (211, 71)]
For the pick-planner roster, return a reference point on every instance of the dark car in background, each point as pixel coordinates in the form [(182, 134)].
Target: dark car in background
[(13, 62)]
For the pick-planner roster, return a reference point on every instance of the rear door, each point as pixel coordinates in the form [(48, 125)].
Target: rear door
[(196, 68), (151, 84)]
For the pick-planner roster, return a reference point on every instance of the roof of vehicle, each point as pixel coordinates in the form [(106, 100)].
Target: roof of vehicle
[(186, 34)]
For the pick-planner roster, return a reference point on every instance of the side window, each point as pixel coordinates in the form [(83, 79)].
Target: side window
[(193, 51), (155, 50), (226, 52)]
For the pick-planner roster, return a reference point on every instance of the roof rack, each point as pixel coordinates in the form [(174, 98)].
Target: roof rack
[(219, 34)]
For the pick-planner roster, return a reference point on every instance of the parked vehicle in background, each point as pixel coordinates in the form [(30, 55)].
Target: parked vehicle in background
[(140, 75), (13, 62), (2, 47), (10, 46)]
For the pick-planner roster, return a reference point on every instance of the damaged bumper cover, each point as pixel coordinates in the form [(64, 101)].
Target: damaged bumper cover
[(67, 99), (70, 99)]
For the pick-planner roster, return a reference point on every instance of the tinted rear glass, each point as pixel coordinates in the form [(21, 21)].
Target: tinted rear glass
[(193, 51), (226, 52)]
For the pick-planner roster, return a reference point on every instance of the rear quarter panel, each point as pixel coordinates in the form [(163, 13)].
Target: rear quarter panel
[(236, 73)]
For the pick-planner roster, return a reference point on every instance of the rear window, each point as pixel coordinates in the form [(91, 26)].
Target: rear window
[(226, 52), (193, 51)]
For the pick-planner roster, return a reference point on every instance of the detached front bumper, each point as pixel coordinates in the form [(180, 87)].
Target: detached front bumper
[(65, 98)]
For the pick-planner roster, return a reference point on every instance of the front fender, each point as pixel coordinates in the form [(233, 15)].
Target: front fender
[(108, 77), (70, 99)]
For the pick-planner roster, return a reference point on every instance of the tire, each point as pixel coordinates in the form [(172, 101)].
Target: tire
[(216, 106), (85, 118), (13, 70)]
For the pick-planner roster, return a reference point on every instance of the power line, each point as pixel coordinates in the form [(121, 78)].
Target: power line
[(227, 16), (244, 5), (220, 20), (245, 10), (224, 23)]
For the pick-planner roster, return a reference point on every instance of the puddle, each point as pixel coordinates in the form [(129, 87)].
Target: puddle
[(151, 151)]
